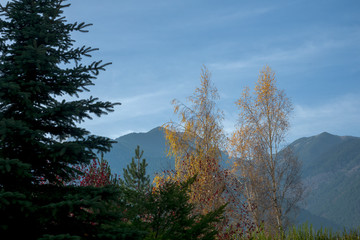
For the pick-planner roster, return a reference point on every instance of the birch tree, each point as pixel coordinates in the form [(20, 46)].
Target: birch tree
[(195, 142), (270, 172)]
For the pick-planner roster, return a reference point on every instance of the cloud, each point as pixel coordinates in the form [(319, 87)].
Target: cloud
[(144, 97), (138, 106), (297, 54), (210, 17), (340, 116), (239, 15), (139, 113)]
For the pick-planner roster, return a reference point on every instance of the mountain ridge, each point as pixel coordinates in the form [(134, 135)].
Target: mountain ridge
[(331, 169), (153, 145)]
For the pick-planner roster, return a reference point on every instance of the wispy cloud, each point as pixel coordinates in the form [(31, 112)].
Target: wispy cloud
[(241, 14), (296, 54), (340, 116), (210, 17), (162, 45), (149, 109)]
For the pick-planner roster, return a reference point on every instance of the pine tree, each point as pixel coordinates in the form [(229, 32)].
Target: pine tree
[(135, 177), (164, 212), (136, 188), (40, 69), (173, 217)]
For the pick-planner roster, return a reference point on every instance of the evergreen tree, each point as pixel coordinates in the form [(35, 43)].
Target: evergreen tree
[(135, 177), (136, 189), (173, 215), (165, 212), (40, 68)]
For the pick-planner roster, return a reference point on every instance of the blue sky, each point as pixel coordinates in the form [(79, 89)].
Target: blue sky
[(159, 47)]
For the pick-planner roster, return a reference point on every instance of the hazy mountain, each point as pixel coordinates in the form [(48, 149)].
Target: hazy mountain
[(305, 216), (153, 144), (331, 170), (155, 152)]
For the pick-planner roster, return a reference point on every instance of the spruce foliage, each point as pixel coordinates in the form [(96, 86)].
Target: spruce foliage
[(173, 216), (40, 69), (41, 144), (135, 176), (164, 212)]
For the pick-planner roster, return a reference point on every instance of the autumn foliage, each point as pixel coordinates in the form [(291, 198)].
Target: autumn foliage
[(97, 174), (271, 171), (196, 141), (53, 186)]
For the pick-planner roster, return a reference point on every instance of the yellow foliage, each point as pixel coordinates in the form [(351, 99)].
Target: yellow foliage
[(195, 144), (162, 178), (263, 123)]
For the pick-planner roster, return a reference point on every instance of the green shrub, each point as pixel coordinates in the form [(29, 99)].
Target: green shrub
[(306, 231)]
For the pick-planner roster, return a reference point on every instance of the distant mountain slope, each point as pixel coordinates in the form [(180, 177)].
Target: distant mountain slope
[(155, 152), (331, 169), (153, 144), (317, 222)]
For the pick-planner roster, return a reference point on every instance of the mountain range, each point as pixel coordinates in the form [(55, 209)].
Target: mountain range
[(153, 145), (330, 170)]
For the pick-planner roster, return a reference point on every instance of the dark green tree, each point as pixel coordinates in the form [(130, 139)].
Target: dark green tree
[(173, 217), (135, 176), (164, 212), (136, 189), (40, 70)]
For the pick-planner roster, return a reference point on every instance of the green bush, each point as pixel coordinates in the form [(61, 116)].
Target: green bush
[(306, 231)]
